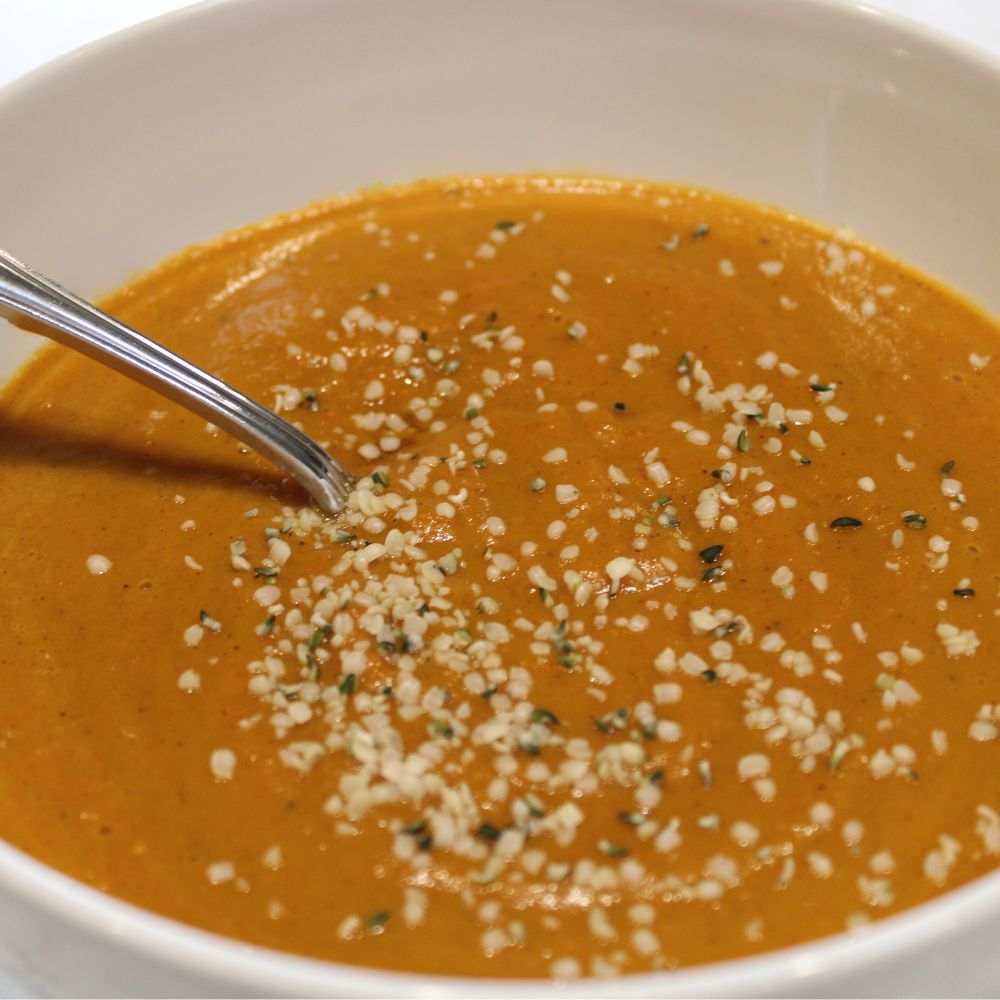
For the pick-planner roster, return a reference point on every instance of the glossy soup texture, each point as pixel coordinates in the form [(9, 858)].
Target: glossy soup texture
[(662, 627)]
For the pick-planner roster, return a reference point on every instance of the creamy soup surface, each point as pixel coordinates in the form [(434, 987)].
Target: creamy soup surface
[(662, 627)]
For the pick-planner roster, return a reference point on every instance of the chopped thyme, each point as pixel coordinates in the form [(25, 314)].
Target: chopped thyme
[(544, 715), (268, 572), (377, 920), (845, 522), (915, 521), (684, 364), (964, 592), (711, 554), (613, 721), (534, 804), (816, 387), (948, 468), (712, 573), (620, 407), (710, 675), (380, 479), (631, 818), (209, 622), (505, 224), (700, 231), (266, 627), (487, 832), (318, 636), (480, 463), (743, 441), (348, 684), (612, 850)]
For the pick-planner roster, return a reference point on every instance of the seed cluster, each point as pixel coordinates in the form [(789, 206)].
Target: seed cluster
[(549, 654)]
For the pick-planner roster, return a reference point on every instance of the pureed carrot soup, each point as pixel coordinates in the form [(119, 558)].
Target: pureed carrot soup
[(661, 629)]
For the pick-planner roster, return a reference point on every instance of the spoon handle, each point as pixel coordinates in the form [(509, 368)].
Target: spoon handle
[(71, 321)]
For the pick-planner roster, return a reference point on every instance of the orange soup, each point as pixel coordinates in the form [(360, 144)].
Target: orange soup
[(661, 627)]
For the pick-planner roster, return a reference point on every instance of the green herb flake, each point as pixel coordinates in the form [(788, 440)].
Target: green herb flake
[(915, 521), (712, 573), (620, 407), (612, 850), (441, 728), (711, 554), (535, 805), (377, 920), (700, 231), (845, 522), (948, 468), (964, 592), (488, 832), (313, 666), (267, 572), (545, 716), (505, 224), (318, 636), (348, 684), (631, 818), (743, 441), (683, 364), (209, 622)]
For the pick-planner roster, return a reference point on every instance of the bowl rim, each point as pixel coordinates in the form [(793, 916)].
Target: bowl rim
[(218, 958)]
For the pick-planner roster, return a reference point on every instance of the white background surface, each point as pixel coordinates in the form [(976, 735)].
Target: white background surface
[(35, 31)]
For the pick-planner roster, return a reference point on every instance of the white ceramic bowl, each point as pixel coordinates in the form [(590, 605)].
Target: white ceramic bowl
[(168, 133)]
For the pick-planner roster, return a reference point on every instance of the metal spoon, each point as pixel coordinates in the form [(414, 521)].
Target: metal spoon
[(68, 319)]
